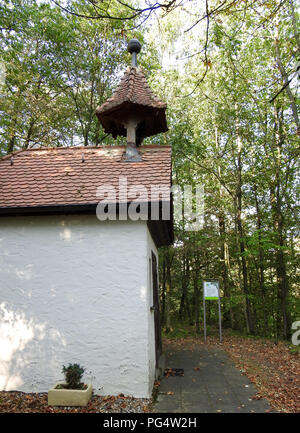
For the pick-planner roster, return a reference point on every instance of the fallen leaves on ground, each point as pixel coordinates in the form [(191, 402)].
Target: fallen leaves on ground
[(272, 368), (173, 372), (20, 402), (156, 384)]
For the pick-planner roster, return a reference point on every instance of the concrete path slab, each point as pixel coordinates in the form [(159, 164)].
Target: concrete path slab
[(211, 384)]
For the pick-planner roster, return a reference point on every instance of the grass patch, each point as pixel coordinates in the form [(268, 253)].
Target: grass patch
[(182, 330), (295, 350), (178, 331)]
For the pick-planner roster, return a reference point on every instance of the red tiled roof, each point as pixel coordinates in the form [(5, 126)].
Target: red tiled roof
[(133, 88), (57, 176)]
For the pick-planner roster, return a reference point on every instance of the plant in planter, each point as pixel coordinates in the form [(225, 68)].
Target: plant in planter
[(72, 392), (73, 374)]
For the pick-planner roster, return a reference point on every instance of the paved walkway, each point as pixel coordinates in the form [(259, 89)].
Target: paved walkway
[(210, 384)]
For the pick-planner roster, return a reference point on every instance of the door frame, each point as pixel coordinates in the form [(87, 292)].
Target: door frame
[(157, 322)]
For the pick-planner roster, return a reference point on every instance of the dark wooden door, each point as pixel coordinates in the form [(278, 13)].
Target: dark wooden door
[(157, 325)]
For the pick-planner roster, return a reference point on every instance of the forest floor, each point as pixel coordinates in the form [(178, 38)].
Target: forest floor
[(273, 368), (21, 402)]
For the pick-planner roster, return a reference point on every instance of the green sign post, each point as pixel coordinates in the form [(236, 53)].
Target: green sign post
[(211, 292)]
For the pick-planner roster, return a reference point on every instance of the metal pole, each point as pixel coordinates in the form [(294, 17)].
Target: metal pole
[(204, 313), (134, 59)]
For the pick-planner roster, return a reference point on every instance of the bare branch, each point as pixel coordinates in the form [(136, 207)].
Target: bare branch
[(104, 14), (205, 52), (286, 84)]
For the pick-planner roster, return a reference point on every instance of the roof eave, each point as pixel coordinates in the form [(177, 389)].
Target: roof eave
[(161, 230)]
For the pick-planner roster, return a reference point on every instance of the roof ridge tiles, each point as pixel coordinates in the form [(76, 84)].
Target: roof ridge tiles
[(87, 148)]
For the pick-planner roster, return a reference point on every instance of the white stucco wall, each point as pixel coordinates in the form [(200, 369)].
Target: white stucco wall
[(74, 289)]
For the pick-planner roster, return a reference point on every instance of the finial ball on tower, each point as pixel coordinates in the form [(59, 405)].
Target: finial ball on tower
[(134, 46)]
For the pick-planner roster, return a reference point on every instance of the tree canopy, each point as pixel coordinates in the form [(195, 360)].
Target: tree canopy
[(229, 73)]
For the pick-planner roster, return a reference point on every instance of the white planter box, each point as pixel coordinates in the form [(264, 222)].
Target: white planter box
[(69, 397)]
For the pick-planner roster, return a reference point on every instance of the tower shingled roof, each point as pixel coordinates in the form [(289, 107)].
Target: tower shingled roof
[(133, 88), (133, 95)]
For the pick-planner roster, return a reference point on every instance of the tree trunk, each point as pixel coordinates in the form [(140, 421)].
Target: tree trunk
[(168, 289), (12, 136), (11, 143), (163, 304), (184, 303), (197, 302), (286, 80), (29, 133), (240, 230), (262, 287), (294, 22), (228, 316), (278, 221)]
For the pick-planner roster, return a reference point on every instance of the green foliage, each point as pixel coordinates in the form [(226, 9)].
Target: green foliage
[(178, 331), (225, 134), (73, 374), (59, 68), (228, 136)]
